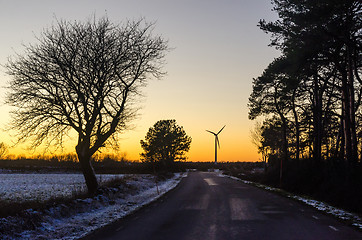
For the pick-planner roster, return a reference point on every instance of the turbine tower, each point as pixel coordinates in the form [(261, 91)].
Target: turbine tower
[(217, 143)]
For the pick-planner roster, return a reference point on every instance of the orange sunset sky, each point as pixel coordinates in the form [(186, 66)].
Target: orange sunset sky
[(217, 51)]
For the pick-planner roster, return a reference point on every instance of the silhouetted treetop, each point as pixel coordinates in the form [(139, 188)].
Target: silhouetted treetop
[(165, 142)]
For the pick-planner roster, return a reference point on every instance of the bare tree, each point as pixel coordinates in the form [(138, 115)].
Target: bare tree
[(84, 77), (3, 149), (256, 135)]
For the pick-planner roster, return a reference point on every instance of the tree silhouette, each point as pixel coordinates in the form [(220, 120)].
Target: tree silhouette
[(3, 149), (165, 142), (310, 98), (324, 35), (84, 77)]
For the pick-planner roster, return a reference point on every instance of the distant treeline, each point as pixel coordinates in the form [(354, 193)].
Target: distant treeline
[(69, 162), (310, 100), (113, 164)]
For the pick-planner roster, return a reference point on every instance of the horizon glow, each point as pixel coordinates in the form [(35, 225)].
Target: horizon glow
[(217, 51)]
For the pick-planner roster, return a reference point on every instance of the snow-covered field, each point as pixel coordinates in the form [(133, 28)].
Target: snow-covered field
[(27, 187), (81, 216)]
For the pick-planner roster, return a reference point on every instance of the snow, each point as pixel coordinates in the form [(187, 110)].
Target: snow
[(339, 213), (354, 219), (27, 187), (81, 216)]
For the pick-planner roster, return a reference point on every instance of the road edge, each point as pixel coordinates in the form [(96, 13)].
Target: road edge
[(344, 216), (89, 235)]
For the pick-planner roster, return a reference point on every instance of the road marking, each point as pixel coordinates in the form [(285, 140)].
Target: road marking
[(315, 217), (243, 209), (333, 228), (210, 181), (212, 232)]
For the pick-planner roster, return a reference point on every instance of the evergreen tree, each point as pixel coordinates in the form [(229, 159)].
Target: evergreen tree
[(165, 143)]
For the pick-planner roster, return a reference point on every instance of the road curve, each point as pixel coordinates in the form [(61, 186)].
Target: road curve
[(205, 206)]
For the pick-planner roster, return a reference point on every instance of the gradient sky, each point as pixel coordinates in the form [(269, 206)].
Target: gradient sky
[(217, 51)]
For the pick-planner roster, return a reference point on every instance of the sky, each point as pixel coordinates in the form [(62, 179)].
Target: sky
[(217, 49)]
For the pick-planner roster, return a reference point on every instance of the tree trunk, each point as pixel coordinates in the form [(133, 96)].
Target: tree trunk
[(284, 159), (297, 130), (338, 151), (346, 120), (317, 121), (88, 172), (348, 110), (284, 127), (351, 102)]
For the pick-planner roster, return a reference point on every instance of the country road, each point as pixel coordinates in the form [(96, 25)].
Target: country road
[(206, 206)]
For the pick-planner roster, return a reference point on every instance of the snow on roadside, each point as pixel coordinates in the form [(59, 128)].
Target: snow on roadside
[(82, 216), (341, 214)]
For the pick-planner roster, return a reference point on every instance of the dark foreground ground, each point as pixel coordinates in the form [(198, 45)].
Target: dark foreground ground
[(206, 206)]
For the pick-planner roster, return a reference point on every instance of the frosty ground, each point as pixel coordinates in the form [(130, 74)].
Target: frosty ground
[(21, 187), (80, 216)]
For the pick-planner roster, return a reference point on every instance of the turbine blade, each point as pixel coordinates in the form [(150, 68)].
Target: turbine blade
[(217, 141), (210, 132), (221, 129)]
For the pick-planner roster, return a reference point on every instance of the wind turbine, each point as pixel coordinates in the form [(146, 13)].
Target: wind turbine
[(217, 143)]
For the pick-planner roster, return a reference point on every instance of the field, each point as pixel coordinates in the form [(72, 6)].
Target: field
[(72, 216), (18, 187)]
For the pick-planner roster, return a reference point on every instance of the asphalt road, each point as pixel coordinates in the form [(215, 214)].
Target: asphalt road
[(205, 206)]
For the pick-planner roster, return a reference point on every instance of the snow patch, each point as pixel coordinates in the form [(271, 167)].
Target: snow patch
[(82, 216)]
